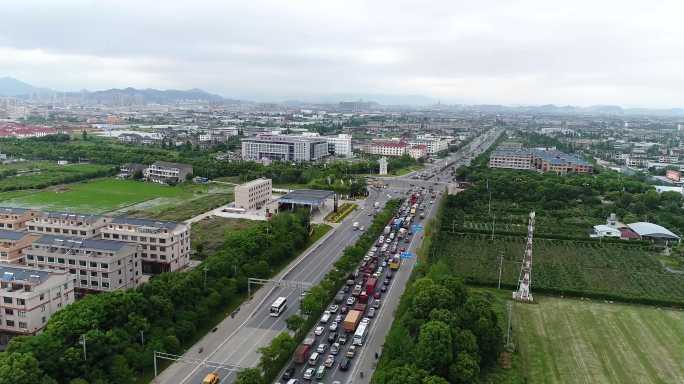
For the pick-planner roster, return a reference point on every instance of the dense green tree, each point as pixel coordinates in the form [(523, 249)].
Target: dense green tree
[(249, 376), (465, 370), (434, 350)]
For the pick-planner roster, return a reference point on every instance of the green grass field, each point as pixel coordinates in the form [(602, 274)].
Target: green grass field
[(568, 341), (98, 196)]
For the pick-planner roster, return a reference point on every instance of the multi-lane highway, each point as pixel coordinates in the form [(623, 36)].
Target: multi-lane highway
[(362, 364), (235, 342)]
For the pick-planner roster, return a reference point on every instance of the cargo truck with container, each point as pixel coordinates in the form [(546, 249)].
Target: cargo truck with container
[(351, 321), (301, 354), (361, 307), (370, 285)]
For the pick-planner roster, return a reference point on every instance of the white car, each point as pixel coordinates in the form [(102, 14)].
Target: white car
[(365, 320), (308, 374), (333, 308), (322, 347), (333, 326), (335, 348), (350, 300), (338, 318), (319, 330)]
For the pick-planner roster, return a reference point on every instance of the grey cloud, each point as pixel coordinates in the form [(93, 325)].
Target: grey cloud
[(530, 51)]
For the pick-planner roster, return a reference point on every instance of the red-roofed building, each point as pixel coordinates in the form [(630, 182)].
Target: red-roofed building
[(628, 234), (388, 148), (22, 131), (397, 148)]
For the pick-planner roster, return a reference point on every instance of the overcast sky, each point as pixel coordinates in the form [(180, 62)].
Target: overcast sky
[(477, 51)]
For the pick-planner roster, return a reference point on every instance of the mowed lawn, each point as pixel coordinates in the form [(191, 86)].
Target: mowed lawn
[(573, 341), (96, 196)]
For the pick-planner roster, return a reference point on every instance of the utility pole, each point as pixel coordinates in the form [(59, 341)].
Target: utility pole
[(205, 277), (500, 268), (83, 343), (142, 337)]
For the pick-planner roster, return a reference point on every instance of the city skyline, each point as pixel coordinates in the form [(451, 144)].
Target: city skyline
[(528, 53)]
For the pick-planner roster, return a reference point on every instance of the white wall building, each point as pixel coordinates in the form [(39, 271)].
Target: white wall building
[(30, 296), (164, 245), (94, 265), (254, 194), (340, 145)]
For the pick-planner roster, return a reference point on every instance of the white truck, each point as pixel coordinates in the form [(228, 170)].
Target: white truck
[(376, 205), (387, 230), (355, 225)]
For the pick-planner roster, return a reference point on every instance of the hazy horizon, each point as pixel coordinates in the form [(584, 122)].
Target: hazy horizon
[(490, 52)]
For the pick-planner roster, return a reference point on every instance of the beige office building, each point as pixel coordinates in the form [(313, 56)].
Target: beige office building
[(68, 224), (254, 194), (94, 265), (30, 296), (15, 219), (12, 243), (164, 245)]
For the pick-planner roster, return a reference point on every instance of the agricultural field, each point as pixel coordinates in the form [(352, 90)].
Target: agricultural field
[(581, 268), (569, 341), (40, 174), (103, 195), (208, 235), (182, 207)]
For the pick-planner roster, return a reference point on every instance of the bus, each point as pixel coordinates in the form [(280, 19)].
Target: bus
[(360, 334), (279, 305)]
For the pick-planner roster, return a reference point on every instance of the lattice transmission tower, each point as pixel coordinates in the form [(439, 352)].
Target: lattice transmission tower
[(525, 278)]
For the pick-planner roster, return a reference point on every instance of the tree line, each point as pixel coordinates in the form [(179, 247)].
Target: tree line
[(122, 329)]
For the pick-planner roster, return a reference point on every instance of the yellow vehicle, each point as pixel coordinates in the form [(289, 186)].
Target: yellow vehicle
[(395, 262), (211, 378)]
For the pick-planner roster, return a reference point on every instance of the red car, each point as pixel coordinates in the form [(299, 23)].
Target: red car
[(402, 249), (376, 295)]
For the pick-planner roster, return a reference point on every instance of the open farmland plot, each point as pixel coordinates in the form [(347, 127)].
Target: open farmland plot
[(585, 268), (97, 196), (40, 174), (568, 341)]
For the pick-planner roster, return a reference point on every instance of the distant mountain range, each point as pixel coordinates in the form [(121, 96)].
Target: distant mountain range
[(146, 96), (12, 87), (127, 96), (132, 96)]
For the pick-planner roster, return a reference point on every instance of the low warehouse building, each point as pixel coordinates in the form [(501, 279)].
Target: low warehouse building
[(654, 232)]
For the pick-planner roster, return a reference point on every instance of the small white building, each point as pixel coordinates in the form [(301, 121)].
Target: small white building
[(340, 145), (603, 230)]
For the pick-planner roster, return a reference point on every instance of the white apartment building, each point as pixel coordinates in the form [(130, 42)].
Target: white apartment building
[(164, 245), (30, 296), (284, 148), (434, 144), (94, 265), (417, 151), (340, 145), (254, 194), (164, 172), (67, 224), (387, 148)]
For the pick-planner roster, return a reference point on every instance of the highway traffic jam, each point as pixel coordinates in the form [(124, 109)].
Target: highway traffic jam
[(342, 329)]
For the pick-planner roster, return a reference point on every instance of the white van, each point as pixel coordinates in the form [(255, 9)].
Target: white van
[(313, 359)]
